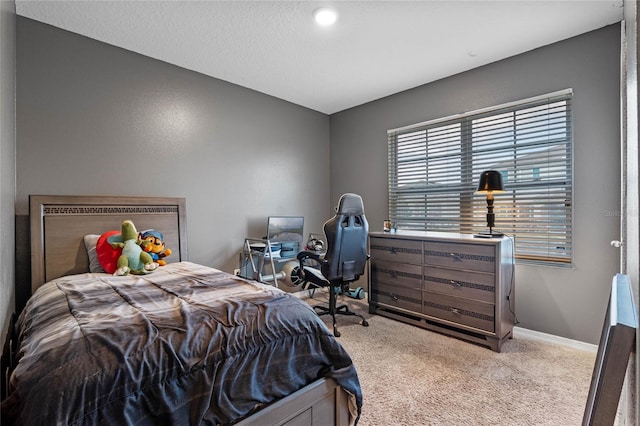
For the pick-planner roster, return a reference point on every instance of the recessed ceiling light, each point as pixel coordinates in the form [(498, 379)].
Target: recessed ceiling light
[(325, 16)]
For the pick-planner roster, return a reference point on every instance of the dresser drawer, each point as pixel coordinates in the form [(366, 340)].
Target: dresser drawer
[(396, 273), (406, 251), (474, 257), (472, 285), (397, 296), (459, 310)]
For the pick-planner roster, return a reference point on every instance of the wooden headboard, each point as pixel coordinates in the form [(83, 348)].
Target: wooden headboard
[(59, 223)]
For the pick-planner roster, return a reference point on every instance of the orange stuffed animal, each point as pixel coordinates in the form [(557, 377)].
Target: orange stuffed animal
[(153, 243)]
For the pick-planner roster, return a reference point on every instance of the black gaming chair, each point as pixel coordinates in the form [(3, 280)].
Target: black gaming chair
[(345, 257)]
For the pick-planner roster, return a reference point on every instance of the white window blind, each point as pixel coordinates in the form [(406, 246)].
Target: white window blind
[(434, 169)]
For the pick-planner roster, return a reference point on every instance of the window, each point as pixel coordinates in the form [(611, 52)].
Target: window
[(434, 169)]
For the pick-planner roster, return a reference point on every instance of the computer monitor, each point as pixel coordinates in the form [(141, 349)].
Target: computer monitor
[(285, 229)]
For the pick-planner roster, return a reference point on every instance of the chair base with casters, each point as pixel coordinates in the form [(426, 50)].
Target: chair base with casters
[(314, 278)]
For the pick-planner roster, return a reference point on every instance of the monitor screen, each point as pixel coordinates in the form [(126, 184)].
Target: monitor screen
[(285, 229)]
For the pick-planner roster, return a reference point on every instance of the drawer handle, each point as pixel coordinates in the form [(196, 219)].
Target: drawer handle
[(455, 311), (393, 250), (456, 257), (394, 297), (393, 274), (456, 283)]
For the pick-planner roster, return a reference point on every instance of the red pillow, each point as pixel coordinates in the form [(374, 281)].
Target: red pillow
[(107, 255)]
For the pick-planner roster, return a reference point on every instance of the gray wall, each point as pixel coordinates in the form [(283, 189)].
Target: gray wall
[(560, 301), (93, 119), (7, 161)]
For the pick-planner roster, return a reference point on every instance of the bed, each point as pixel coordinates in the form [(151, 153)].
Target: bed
[(186, 344)]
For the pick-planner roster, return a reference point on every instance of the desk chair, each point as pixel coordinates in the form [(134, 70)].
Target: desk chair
[(344, 259)]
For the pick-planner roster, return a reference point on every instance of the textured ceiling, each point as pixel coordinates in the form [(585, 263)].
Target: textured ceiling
[(375, 49)]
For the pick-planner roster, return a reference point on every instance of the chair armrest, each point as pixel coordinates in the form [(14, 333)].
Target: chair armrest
[(304, 255), (311, 264)]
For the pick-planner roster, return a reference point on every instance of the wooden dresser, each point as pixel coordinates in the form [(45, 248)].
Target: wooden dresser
[(451, 283)]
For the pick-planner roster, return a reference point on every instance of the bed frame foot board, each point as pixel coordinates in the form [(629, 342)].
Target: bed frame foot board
[(322, 403)]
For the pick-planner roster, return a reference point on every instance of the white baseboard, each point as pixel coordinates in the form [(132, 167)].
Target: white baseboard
[(550, 338), (519, 332)]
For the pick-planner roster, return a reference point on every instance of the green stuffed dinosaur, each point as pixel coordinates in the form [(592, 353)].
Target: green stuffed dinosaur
[(133, 259)]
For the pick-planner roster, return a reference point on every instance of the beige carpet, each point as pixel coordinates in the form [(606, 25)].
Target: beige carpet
[(412, 376)]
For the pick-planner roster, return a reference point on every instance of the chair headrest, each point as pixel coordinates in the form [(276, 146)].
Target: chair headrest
[(350, 204)]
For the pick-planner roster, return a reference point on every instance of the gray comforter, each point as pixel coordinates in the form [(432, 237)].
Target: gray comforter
[(186, 344)]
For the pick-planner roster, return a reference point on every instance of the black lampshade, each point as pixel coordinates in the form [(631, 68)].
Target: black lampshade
[(490, 180)]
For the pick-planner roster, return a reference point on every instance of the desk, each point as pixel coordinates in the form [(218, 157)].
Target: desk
[(259, 261)]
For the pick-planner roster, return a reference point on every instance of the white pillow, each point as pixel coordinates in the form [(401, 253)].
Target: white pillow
[(90, 242)]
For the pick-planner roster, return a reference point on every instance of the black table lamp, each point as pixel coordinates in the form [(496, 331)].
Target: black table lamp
[(490, 182)]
